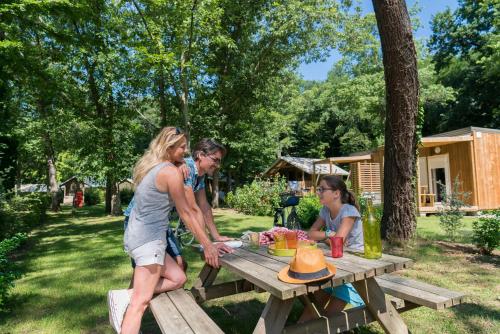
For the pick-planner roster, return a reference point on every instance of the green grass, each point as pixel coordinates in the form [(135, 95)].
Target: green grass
[(72, 261)]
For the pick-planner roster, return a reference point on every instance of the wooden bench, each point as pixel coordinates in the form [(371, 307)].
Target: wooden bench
[(404, 293), (177, 312), (416, 293)]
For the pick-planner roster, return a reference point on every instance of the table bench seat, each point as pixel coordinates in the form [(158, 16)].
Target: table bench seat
[(177, 312), (419, 293)]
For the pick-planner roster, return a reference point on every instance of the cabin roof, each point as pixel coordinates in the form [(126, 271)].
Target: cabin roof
[(464, 131), (306, 165)]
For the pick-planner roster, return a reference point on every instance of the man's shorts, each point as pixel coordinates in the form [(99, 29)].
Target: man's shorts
[(152, 252)]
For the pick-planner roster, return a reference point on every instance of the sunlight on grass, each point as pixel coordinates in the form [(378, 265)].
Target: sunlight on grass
[(74, 260)]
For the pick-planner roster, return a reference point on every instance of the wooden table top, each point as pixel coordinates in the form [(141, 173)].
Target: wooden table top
[(261, 268)]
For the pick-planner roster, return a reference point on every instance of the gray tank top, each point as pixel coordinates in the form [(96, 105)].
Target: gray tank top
[(149, 218)]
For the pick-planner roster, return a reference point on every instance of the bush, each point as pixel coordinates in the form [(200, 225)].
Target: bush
[(21, 213), (308, 210), (258, 198), (126, 196), (486, 233), (92, 196), (450, 217), (8, 270)]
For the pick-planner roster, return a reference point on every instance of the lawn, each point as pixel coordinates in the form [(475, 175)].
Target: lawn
[(71, 263)]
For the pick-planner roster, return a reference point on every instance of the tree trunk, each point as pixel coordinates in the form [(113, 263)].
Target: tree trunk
[(229, 184), (402, 90), (109, 194), (184, 98), (53, 185), (162, 99), (215, 190), (116, 205)]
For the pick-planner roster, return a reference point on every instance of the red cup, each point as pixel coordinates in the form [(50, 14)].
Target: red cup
[(337, 246)]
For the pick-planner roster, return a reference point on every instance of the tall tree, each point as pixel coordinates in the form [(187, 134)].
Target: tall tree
[(260, 42), (466, 53), (402, 93), (100, 62), (38, 85)]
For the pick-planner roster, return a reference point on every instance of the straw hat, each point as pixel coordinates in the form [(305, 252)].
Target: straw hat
[(308, 265)]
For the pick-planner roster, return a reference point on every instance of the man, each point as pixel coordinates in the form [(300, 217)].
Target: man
[(206, 159)]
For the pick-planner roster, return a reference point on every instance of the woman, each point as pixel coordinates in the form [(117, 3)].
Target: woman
[(340, 217), (159, 188)]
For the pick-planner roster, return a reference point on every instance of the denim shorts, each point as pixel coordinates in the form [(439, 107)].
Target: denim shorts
[(152, 252), (347, 293)]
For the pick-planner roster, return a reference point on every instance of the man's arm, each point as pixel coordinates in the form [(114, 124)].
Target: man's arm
[(190, 197), (206, 209)]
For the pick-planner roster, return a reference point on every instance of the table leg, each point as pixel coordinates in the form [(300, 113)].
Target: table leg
[(309, 302), (205, 279), (273, 318), (380, 307)]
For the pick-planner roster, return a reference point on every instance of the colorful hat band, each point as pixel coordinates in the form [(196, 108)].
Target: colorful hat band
[(307, 276)]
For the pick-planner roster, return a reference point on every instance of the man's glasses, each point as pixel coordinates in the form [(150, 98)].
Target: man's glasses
[(322, 190), (215, 160)]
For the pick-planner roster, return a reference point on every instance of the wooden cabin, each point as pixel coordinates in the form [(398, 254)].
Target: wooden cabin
[(471, 155), (300, 174), (127, 184), (69, 187)]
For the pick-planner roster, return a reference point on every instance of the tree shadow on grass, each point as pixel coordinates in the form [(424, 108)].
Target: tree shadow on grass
[(470, 251), (236, 317), (468, 313), (65, 259)]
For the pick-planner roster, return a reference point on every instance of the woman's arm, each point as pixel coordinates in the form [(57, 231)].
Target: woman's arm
[(345, 227), (169, 179), (315, 232)]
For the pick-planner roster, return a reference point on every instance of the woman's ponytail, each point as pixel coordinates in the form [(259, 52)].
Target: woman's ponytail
[(351, 199)]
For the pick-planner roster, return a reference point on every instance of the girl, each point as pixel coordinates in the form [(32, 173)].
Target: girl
[(340, 217), (159, 188)]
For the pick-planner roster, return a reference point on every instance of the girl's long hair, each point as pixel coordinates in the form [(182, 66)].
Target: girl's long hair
[(169, 137), (336, 183)]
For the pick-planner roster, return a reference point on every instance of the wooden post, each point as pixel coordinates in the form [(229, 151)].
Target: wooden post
[(380, 306), (313, 177)]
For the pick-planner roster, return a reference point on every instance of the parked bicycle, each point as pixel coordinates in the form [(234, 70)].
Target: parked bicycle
[(181, 232), (290, 221)]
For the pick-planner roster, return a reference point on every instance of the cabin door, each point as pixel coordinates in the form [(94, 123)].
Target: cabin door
[(439, 175)]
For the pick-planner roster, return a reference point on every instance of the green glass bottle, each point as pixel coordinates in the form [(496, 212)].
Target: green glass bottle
[(371, 233)]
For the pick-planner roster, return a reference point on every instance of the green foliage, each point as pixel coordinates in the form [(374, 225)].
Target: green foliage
[(450, 216), (126, 196), (486, 232), (21, 213), (308, 210), (93, 196), (466, 51), (8, 270), (258, 198)]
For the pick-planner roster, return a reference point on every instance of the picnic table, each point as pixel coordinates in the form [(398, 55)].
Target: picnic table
[(257, 270)]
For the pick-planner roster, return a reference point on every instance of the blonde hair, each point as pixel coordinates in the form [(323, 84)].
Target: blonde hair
[(169, 137)]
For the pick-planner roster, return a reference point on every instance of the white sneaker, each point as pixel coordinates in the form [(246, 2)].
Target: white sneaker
[(118, 301)]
